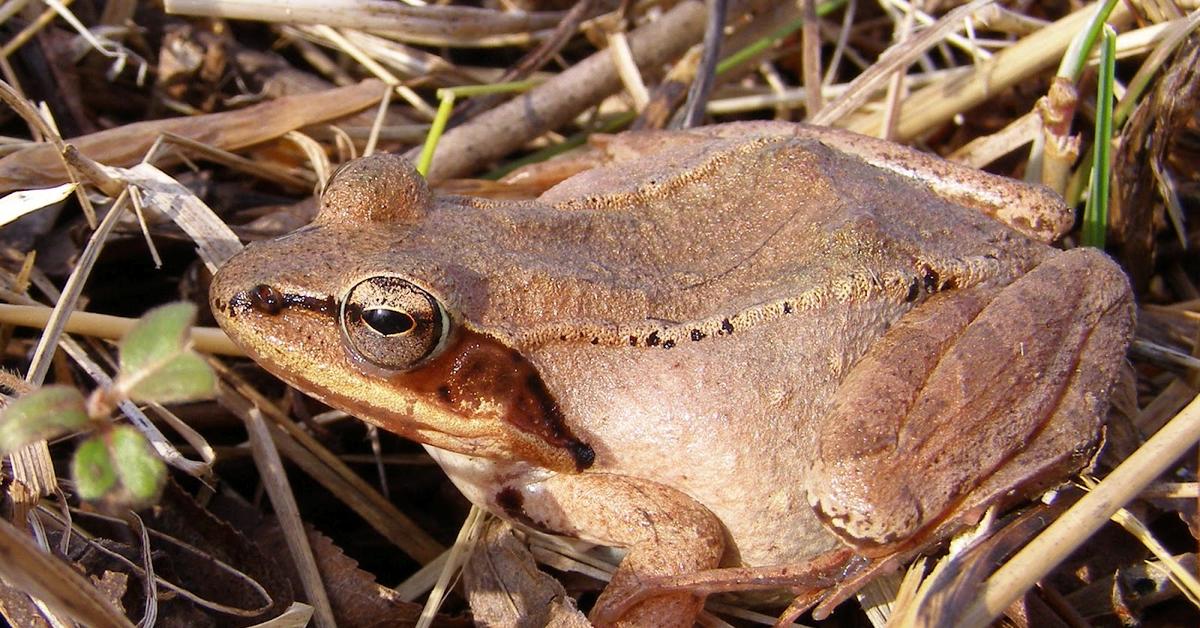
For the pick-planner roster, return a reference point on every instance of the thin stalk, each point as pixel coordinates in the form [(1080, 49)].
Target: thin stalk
[(759, 45), (446, 97), (1095, 213)]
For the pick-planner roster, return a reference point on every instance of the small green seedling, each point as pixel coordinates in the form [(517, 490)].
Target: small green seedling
[(115, 464), (118, 466), (157, 361)]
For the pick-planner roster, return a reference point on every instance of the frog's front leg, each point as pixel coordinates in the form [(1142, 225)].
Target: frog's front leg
[(665, 532), (974, 395)]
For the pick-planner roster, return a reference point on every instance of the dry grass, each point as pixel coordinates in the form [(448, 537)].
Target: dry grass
[(193, 131)]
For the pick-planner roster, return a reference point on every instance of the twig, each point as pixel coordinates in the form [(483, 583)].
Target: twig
[(39, 574), (495, 133), (433, 25), (631, 76), (936, 103), (270, 469), (706, 74), (303, 449), (204, 339), (811, 59), (1083, 519), (459, 552), (42, 164), (870, 81)]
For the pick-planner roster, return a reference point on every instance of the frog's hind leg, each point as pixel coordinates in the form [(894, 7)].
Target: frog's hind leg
[(666, 533), (974, 395)]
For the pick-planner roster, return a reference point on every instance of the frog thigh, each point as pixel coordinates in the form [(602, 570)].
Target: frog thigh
[(973, 394), (665, 531)]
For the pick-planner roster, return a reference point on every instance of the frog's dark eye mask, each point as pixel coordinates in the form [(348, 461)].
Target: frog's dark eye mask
[(393, 323)]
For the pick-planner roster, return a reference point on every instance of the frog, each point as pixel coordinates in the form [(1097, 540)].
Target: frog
[(749, 354)]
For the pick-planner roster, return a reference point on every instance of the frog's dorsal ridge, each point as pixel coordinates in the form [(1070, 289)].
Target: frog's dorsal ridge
[(926, 278), (681, 166)]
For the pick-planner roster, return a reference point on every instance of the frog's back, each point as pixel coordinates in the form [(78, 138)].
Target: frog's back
[(722, 233)]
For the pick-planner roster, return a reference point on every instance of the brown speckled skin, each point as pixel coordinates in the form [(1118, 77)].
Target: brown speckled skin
[(699, 310)]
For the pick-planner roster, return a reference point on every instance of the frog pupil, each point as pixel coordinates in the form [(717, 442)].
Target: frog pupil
[(389, 322)]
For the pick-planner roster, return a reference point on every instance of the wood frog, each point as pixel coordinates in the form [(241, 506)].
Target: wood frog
[(730, 348)]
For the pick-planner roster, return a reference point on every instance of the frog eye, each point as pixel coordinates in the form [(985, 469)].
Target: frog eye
[(393, 323)]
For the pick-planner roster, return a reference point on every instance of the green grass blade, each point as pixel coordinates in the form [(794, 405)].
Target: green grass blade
[(1095, 214), (446, 98), (770, 39), (445, 106), (1076, 57)]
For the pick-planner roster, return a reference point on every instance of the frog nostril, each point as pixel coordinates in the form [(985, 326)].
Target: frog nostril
[(266, 299)]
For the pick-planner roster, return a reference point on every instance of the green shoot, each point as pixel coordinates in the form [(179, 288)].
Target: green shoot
[(1095, 213), (1077, 54), (446, 97)]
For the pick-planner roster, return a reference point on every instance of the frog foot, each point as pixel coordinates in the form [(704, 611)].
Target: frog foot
[(828, 579)]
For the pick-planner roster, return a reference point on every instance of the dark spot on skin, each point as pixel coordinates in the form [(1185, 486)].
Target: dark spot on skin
[(512, 502), (698, 335), (726, 326), (595, 340), (470, 369), (562, 337), (584, 455), (930, 279), (787, 307), (478, 367), (633, 341), (668, 344), (914, 290), (950, 284), (652, 340)]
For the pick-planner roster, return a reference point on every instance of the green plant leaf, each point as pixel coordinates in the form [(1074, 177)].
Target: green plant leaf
[(157, 363), (140, 470), (158, 336), (43, 413), (183, 378), (119, 467), (93, 470)]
